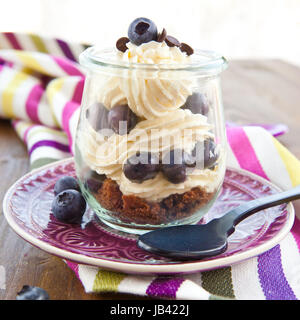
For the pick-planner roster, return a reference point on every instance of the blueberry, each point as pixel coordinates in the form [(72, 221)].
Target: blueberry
[(142, 30), (140, 167), (94, 181), (65, 183), (197, 103), (210, 153), (121, 119), (174, 166), (32, 293), (69, 206), (97, 116), (205, 154)]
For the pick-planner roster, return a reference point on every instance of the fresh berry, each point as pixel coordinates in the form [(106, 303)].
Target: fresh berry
[(142, 30), (94, 181), (197, 103), (140, 167), (121, 119), (174, 166), (210, 153), (205, 154), (97, 116), (32, 293), (65, 183), (69, 206)]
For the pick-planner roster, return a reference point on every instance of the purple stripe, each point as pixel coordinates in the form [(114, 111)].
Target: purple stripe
[(68, 66), (164, 287), (275, 129), (50, 143), (33, 101), (13, 40), (27, 131), (66, 49), (272, 278), (77, 96)]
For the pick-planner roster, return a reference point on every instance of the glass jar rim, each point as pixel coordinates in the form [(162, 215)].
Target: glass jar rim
[(203, 61)]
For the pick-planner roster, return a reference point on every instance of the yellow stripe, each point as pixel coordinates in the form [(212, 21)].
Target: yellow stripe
[(291, 163), (52, 89), (29, 61), (107, 281), (38, 42), (21, 127), (9, 92)]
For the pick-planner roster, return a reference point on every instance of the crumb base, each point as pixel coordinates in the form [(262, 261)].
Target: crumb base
[(132, 209)]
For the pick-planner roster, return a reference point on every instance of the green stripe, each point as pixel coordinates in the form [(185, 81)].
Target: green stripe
[(107, 281), (37, 130), (38, 42), (41, 162), (218, 282)]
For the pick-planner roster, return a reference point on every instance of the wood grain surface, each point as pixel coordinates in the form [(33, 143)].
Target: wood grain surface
[(262, 91)]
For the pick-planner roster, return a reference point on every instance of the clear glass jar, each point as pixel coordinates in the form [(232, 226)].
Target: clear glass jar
[(150, 148)]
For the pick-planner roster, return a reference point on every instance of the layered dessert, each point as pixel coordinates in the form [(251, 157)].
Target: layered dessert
[(148, 152)]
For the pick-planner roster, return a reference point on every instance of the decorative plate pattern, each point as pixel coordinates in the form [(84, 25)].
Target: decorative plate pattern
[(27, 208)]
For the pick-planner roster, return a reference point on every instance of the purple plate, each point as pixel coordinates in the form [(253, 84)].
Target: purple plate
[(27, 208)]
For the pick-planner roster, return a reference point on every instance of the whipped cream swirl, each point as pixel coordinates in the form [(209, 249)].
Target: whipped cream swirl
[(149, 93)]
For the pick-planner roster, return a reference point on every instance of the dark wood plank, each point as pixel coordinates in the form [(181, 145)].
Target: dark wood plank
[(253, 92), (265, 91)]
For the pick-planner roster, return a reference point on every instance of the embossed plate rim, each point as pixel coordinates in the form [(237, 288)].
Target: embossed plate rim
[(140, 268)]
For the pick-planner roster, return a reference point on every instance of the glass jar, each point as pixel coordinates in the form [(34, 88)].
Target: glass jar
[(150, 148)]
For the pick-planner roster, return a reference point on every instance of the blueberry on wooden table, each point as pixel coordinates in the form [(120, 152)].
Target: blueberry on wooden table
[(32, 293), (64, 183), (142, 166), (142, 30), (69, 206)]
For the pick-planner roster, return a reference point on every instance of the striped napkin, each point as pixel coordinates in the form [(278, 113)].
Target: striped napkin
[(41, 87)]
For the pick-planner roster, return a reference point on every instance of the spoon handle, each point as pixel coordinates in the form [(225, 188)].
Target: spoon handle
[(235, 216)]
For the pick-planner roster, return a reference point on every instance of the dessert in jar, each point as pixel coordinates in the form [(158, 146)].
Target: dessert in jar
[(150, 144)]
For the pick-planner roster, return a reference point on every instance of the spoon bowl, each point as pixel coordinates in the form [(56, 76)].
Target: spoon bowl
[(186, 242)]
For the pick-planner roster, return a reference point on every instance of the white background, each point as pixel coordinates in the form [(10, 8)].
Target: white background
[(235, 28)]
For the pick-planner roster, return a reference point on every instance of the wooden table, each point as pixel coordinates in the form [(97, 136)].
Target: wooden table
[(263, 91)]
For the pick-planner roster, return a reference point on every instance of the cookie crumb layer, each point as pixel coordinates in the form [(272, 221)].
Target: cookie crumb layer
[(133, 209)]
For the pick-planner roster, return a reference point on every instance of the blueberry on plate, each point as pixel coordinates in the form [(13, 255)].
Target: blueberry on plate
[(142, 30), (140, 167), (64, 183), (32, 293), (69, 206)]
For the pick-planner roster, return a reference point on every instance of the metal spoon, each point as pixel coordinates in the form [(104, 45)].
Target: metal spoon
[(194, 242)]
